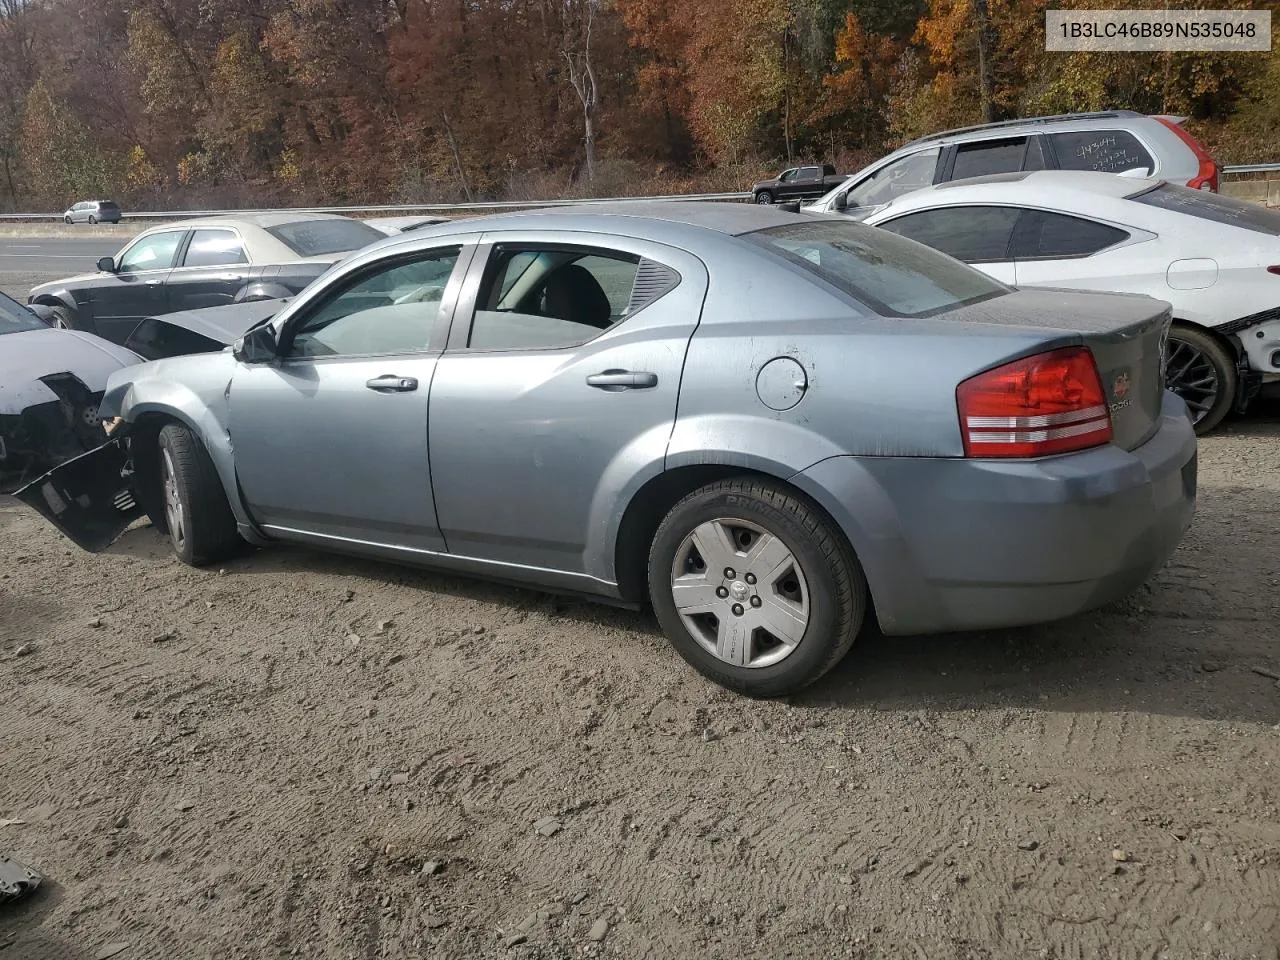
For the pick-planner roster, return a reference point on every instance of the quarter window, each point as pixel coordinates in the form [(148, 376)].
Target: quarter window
[(972, 234), (1103, 151), (156, 252), (215, 248), (545, 299), (987, 157), (391, 310), (1052, 236)]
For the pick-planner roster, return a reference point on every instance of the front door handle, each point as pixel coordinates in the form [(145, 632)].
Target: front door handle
[(622, 380), (392, 384), (230, 276), (154, 283)]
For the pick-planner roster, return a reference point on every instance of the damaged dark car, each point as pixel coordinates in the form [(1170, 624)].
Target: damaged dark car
[(51, 384)]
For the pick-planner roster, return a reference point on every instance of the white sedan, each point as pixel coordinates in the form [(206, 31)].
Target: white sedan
[(1214, 258)]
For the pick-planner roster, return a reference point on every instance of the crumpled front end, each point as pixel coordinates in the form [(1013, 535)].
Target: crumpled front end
[(92, 499), (62, 423)]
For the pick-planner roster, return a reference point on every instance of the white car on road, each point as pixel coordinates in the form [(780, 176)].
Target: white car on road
[(1214, 258)]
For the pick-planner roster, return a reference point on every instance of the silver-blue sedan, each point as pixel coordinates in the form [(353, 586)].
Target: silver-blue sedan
[(772, 427)]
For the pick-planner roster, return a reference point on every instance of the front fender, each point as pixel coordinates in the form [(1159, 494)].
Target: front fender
[(136, 400), (55, 298)]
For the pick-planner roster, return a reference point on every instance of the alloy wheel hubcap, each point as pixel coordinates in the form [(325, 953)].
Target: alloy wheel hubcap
[(740, 593), (174, 514), (1192, 376)]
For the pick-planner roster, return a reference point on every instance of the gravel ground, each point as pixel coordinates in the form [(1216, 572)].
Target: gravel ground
[(309, 756)]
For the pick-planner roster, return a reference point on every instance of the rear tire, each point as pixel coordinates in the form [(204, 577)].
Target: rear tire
[(790, 567), (197, 517), (1201, 371), (764, 197)]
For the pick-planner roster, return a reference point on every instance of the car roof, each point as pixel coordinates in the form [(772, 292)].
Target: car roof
[(1043, 186), (253, 219), (726, 217), (1013, 127)]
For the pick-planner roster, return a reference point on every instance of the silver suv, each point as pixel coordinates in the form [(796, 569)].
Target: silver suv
[(1117, 141)]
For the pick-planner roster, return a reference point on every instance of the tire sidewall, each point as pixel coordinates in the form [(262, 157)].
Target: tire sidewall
[(764, 197), (1205, 344), (815, 651), (172, 439)]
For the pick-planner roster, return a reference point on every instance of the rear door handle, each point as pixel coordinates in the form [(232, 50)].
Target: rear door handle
[(392, 384), (230, 276), (622, 380)]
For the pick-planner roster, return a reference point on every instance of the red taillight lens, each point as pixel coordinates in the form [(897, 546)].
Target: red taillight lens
[(1275, 268), (1049, 403), (1207, 176)]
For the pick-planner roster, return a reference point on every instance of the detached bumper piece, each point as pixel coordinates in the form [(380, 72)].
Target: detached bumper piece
[(91, 499), (16, 879)]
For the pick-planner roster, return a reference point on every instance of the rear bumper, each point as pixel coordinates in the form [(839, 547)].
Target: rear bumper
[(952, 544)]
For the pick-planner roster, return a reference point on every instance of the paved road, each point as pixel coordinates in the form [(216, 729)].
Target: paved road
[(55, 256)]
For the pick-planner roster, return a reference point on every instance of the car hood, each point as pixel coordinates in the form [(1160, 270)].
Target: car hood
[(27, 356), (53, 285), (225, 324)]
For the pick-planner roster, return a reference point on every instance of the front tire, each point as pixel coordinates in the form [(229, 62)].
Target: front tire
[(197, 517), (754, 587), (92, 219), (67, 221), (62, 318), (1201, 371), (764, 196)]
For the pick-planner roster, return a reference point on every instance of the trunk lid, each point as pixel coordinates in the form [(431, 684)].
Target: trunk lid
[(1125, 332)]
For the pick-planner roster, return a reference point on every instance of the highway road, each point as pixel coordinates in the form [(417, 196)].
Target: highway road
[(59, 257)]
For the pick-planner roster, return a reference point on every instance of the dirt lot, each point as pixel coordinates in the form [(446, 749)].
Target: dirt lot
[(308, 756)]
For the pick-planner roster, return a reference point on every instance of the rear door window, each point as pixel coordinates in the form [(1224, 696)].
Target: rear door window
[(1212, 206), (971, 234), (1102, 151), (1042, 235), (215, 248), (988, 156)]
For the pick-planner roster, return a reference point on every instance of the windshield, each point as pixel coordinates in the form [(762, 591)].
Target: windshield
[(895, 276), (318, 238), (1212, 206), (15, 318)]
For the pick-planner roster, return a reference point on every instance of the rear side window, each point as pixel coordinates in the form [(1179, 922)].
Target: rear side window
[(215, 248), (971, 234), (810, 173), (1212, 206), (318, 238), (1102, 151), (154, 339), (988, 156), (892, 275), (1052, 236)]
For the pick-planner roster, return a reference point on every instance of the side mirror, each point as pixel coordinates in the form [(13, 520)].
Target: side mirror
[(841, 201), (259, 345), (790, 206), (107, 264)]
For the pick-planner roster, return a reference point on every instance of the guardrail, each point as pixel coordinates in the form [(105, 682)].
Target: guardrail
[(427, 208), (1252, 168), (394, 208)]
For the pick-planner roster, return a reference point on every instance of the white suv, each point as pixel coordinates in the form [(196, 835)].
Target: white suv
[(1117, 141)]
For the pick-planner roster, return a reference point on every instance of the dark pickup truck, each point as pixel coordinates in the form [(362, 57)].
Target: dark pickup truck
[(797, 183)]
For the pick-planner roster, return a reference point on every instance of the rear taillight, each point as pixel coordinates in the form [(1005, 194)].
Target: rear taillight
[(1048, 403), (1275, 268), (1207, 176)]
